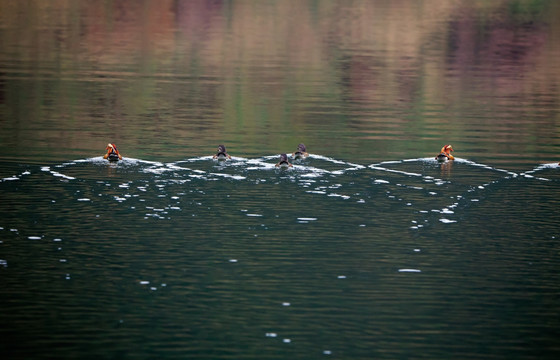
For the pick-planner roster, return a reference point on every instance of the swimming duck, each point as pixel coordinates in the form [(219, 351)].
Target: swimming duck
[(301, 152), (222, 154), (283, 163), (112, 153), (445, 154)]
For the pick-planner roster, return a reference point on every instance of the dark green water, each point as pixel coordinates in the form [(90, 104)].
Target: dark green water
[(368, 249)]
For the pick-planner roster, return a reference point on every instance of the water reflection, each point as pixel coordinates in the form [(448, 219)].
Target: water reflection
[(368, 248), (168, 78)]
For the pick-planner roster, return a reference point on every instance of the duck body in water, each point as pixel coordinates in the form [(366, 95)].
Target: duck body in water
[(222, 154), (301, 152), (283, 163), (112, 153), (445, 154)]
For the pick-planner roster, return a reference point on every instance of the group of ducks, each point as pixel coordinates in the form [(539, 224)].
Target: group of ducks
[(221, 155), (301, 153)]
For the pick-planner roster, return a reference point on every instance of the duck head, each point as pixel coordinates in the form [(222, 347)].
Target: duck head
[(221, 148), (111, 148), (301, 148), (447, 149)]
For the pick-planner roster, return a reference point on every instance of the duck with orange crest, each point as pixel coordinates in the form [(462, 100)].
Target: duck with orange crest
[(283, 163), (445, 154), (222, 154), (112, 153), (301, 152)]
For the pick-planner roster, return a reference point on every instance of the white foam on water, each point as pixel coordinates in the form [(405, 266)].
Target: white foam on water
[(355, 166), (447, 221), (198, 158), (261, 165), (345, 197), (174, 167), (410, 270), (84, 199), (55, 173), (235, 177), (158, 170), (132, 161), (306, 219), (539, 168), (34, 237), (197, 176), (62, 175), (374, 167), (312, 175), (326, 158), (484, 166), (422, 159)]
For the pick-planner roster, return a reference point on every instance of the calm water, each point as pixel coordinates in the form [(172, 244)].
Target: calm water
[(368, 249)]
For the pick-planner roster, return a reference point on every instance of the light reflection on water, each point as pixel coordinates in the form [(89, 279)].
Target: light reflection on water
[(383, 259)]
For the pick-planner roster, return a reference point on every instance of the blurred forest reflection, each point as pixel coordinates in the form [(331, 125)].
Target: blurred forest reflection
[(174, 78)]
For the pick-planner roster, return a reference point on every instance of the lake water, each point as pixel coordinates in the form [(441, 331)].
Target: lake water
[(367, 249)]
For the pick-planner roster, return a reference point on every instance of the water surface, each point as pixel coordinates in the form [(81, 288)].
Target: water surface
[(367, 249)]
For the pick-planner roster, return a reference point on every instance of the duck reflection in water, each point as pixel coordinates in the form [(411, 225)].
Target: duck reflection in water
[(222, 154), (283, 163), (112, 153), (445, 169)]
